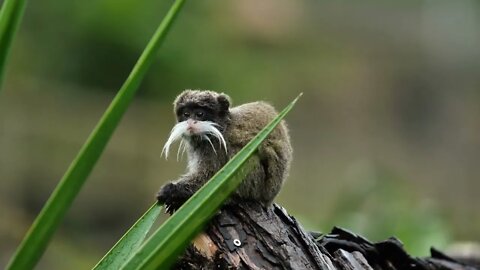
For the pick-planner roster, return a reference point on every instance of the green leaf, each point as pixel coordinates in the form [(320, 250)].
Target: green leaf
[(162, 249), (10, 16), (129, 242), (40, 233)]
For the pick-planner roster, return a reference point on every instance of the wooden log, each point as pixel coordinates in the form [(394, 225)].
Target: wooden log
[(250, 236)]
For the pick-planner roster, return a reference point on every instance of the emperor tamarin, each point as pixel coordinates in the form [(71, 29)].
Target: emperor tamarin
[(211, 132)]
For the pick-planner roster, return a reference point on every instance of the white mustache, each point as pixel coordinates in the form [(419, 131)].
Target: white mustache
[(203, 128)]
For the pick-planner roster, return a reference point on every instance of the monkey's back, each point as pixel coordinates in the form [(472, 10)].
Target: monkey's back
[(274, 154), (249, 118)]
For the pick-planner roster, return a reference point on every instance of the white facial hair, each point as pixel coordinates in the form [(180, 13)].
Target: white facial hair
[(201, 128)]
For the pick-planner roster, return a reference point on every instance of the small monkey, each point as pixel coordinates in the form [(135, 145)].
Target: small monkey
[(211, 133)]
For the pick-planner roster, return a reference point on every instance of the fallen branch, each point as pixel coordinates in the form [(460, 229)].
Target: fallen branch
[(249, 236)]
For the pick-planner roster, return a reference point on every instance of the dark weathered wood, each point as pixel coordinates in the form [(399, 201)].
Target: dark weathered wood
[(351, 261), (249, 236), (388, 254)]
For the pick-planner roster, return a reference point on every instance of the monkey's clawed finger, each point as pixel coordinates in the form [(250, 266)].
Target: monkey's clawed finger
[(172, 197)]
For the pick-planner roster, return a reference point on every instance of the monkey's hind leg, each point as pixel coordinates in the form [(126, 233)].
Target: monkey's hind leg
[(275, 168)]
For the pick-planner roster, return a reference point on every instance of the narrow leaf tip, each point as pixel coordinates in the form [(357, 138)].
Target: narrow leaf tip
[(297, 98)]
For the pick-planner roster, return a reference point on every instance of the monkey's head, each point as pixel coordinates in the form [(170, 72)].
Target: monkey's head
[(200, 105), (201, 117)]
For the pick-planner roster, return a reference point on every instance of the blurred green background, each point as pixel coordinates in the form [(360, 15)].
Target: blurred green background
[(386, 136)]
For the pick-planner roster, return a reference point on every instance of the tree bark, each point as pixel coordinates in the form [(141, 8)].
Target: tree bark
[(250, 236)]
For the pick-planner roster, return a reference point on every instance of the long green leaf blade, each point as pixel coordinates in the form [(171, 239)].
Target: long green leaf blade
[(130, 241), (40, 233), (10, 16), (162, 248)]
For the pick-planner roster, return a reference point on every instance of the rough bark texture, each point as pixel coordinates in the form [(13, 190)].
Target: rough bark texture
[(249, 236)]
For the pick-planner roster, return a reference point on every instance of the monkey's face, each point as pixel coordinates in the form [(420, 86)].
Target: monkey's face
[(201, 119), (195, 113), (199, 122)]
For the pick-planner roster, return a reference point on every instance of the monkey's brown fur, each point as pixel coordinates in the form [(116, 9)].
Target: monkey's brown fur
[(238, 126)]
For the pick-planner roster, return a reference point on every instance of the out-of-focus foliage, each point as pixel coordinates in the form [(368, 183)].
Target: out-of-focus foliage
[(376, 203), (391, 84)]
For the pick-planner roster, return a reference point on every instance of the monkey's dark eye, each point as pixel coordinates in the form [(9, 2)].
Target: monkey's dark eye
[(186, 114), (199, 114)]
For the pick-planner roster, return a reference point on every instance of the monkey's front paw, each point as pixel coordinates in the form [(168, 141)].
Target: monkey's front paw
[(172, 196), (165, 193)]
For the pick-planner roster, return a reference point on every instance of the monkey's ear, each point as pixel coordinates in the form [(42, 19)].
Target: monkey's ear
[(224, 102)]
